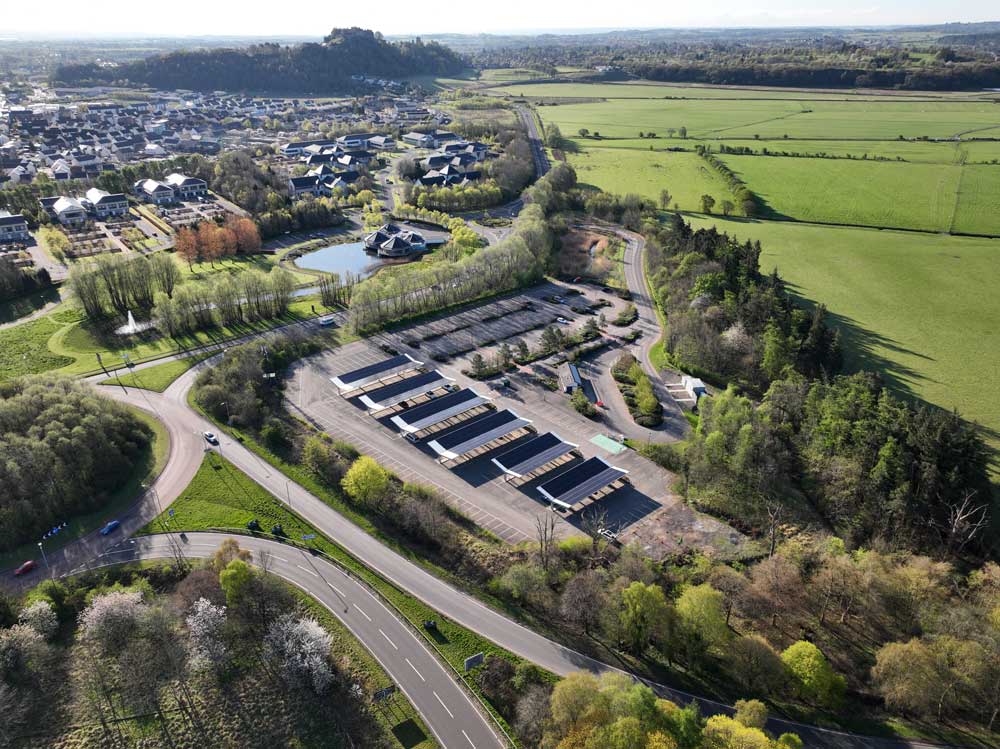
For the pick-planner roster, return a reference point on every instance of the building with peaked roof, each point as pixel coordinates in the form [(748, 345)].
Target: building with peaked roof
[(13, 228), (105, 204), (186, 188), (154, 191)]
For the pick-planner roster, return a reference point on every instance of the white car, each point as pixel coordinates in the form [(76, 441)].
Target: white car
[(562, 321), (211, 438)]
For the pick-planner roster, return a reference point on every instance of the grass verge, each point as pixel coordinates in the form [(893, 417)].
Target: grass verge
[(157, 378)]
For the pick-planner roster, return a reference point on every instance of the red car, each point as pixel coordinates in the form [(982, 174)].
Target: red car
[(25, 568)]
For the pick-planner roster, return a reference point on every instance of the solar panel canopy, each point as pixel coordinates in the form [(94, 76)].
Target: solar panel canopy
[(437, 410), (580, 482), (395, 393), (366, 375), (533, 454), (479, 433)]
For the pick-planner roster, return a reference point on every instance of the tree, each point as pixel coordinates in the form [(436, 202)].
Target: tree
[(812, 676), (366, 481), (707, 203), (644, 614), (700, 612), (583, 132), (206, 623), (727, 207), (186, 246), (723, 732), (570, 699), (521, 349), (237, 580), (247, 235), (756, 665), (531, 714), (682, 131), (209, 242), (751, 713), (478, 365), (665, 198), (671, 131), (302, 647), (777, 353), (584, 599), (111, 619), (228, 551), (41, 617)]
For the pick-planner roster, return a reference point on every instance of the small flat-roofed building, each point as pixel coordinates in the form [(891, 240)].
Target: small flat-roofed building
[(480, 436), (582, 485), (569, 377), (366, 376), (693, 386)]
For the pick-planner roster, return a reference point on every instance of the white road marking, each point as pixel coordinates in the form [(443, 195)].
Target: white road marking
[(362, 612), (275, 556), (387, 639), (337, 590), (307, 570), (415, 670), (468, 739), (444, 705)]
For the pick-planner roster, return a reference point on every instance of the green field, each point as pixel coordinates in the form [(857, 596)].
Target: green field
[(978, 209), (645, 173), (919, 308), (842, 191)]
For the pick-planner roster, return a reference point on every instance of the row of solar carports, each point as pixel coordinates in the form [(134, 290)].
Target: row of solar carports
[(460, 424)]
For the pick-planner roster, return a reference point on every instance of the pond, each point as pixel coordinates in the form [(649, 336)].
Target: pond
[(341, 258)]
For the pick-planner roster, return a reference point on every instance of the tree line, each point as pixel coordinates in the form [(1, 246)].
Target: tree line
[(746, 200), (112, 285), (67, 450), (321, 68), (725, 319), (209, 242)]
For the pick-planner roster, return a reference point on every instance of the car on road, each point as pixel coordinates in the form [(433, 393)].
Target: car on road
[(563, 321), (110, 527), (211, 439), (25, 568)]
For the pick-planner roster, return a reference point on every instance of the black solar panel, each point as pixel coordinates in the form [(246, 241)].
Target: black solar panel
[(479, 426), (403, 386), (426, 410), (580, 482), (374, 369), (527, 450)]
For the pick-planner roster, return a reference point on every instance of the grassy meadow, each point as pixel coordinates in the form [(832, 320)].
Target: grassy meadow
[(922, 309)]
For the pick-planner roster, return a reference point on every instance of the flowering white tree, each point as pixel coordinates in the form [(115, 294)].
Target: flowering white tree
[(41, 617), (205, 624), (302, 647), (111, 619), (22, 653)]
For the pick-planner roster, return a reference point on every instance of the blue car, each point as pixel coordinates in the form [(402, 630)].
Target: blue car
[(110, 527)]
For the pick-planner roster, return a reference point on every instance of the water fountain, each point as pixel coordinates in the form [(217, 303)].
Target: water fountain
[(131, 327)]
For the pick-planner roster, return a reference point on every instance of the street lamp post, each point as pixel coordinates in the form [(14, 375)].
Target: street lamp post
[(45, 558)]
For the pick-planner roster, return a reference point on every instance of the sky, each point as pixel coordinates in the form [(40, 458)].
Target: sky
[(316, 17)]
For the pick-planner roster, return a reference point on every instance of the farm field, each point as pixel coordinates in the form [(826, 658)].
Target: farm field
[(644, 173), (805, 119), (978, 209), (920, 309), (658, 90), (871, 193)]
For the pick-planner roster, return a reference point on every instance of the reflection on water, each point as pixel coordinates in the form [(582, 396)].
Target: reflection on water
[(341, 258)]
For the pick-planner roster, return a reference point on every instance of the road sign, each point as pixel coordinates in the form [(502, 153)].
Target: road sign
[(384, 694), (474, 660), (309, 537), (170, 512)]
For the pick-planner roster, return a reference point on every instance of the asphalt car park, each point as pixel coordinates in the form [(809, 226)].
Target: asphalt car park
[(474, 483)]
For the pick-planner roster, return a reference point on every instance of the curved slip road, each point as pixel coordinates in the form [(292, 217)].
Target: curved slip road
[(428, 684)]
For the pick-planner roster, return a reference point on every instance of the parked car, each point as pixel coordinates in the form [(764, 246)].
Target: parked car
[(211, 439), (25, 568), (110, 527), (562, 321)]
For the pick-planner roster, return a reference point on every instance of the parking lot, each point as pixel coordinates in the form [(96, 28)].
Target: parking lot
[(477, 486)]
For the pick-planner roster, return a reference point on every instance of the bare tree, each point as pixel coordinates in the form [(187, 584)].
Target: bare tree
[(545, 527)]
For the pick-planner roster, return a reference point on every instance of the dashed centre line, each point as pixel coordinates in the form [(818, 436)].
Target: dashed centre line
[(444, 705)]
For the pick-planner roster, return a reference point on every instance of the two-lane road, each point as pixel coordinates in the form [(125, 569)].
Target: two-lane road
[(433, 690)]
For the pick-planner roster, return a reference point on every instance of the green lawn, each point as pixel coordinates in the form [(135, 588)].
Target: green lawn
[(871, 193), (61, 341), (222, 497), (263, 262), (159, 377), (147, 469), (978, 210), (623, 171), (921, 309)]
